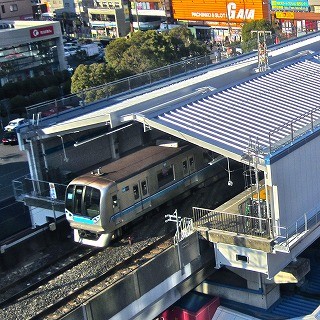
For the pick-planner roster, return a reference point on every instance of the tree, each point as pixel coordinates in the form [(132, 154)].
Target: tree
[(141, 52), (249, 41), (88, 76)]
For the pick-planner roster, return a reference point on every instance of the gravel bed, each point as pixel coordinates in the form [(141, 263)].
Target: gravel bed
[(147, 232), (29, 305)]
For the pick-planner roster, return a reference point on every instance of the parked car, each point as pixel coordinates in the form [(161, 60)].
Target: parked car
[(10, 138), (13, 124), (70, 52)]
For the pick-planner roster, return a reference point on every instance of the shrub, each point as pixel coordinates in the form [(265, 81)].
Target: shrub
[(53, 92), (37, 97), (18, 104)]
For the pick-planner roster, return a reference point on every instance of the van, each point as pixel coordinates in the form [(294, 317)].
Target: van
[(13, 124)]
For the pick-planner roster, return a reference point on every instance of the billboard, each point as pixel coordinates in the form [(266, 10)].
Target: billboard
[(289, 5), (219, 10), (41, 32)]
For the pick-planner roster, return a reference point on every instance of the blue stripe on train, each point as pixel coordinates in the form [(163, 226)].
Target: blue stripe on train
[(156, 195)]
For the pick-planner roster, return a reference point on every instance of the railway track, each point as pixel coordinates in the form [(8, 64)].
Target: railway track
[(75, 281), (21, 286), (94, 287), (55, 296)]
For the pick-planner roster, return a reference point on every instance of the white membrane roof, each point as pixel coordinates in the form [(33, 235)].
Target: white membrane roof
[(231, 118)]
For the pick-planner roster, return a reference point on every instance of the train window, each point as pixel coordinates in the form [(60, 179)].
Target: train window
[(114, 201), (191, 164), (185, 167), (78, 200), (136, 192), (165, 176), (69, 198), (144, 187), (125, 189), (92, 202)]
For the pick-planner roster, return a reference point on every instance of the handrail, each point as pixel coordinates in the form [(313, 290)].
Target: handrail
[(38, 111), (290, 125), (232, 222)]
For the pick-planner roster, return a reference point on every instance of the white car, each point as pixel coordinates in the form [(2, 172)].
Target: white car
[(13, 124), (70, 52)]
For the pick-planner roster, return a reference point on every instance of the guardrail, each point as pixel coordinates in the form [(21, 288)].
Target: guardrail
[(312, 117), (81, 99), (304, 224), (25, 186), (231, 222)]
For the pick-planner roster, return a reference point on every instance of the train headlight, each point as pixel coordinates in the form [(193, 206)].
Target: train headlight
[(96, 219)]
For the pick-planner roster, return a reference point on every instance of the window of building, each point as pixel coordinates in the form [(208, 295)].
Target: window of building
[(3, 9), (13, 7)]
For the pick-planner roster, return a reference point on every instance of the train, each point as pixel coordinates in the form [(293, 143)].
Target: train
[(100, 203)]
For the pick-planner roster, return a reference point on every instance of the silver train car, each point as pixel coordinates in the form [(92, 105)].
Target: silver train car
[(100, 203)]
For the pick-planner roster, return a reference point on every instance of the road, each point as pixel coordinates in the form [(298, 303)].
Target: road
[(13, 164)]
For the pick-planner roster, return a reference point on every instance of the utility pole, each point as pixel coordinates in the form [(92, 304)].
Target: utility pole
[(263, 61)]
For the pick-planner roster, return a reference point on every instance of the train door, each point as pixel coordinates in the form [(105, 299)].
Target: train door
[(188, 167), (141, 194)]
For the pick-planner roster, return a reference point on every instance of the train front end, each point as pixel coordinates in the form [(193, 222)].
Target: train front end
[(84, 211)]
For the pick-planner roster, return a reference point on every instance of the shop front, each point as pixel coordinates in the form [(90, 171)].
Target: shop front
[(219, 20), (296, 18)]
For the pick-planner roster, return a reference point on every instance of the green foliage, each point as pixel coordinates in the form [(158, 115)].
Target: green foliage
[(141, 52), (88, 76), (18, 104), (145, 51), (249, 39), (66, 87), (10, 90), (53, 92), (37, 97)]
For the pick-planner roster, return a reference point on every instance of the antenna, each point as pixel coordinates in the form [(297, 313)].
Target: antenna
[(263, 60)]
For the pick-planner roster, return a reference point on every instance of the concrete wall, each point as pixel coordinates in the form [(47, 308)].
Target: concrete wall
[(152, 288)]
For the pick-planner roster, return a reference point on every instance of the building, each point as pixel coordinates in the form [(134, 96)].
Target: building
[(218, 20), (296, 18), (30, 48), (109, 19), (118, 18), (18, 9)]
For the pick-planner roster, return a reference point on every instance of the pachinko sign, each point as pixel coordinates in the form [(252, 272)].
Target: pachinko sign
[(232, 11)]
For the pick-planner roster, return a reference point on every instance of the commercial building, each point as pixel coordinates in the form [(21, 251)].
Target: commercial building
[(30, 48), (219, 20), (296, 18), (21, 9), (116, 18)]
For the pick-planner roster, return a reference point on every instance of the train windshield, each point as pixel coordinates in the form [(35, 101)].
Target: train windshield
[(83, 201)]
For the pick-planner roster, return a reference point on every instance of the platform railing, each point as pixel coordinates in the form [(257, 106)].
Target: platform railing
[(37, 112), (231, 222), (293, 127), (287, 235), (27, 187)]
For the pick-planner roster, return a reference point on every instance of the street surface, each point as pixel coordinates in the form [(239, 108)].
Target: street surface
[(13, 164)]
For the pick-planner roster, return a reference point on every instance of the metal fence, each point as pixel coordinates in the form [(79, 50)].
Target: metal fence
[(303, 225), (312, 118), (230, 222), (25, 186), (81, 99)]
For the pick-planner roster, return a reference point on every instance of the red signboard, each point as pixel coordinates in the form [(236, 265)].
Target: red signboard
[(41, 32)]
